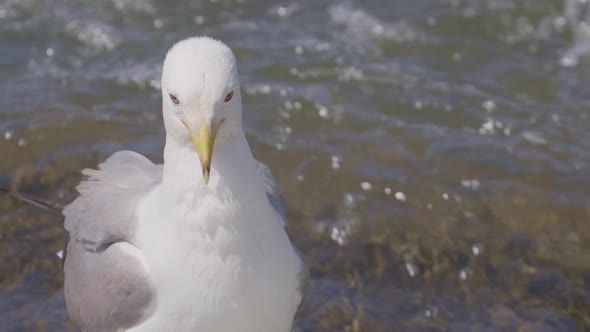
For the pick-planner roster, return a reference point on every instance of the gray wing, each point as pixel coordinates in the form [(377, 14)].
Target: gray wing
[(107, 284), (278, 202), (274, 194)]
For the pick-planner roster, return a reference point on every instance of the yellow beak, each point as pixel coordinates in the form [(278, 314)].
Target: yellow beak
[(204, 143)]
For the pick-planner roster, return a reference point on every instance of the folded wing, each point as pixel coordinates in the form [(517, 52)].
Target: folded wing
[(107, 281), (278, 202)]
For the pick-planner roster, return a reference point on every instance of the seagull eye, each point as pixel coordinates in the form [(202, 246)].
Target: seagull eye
[(174, 98), (228, 97)]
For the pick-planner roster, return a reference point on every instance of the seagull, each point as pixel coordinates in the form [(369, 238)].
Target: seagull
[(195, 244)]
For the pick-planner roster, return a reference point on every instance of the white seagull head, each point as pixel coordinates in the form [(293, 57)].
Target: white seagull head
[(201, 96)]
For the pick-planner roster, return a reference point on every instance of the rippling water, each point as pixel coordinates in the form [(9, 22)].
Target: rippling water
[(434, 153)]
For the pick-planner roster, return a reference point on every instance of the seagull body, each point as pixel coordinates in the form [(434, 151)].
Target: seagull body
[(195, 244)]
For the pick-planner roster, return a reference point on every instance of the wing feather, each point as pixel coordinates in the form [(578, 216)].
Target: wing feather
[(273, 192), (105, 210), (278, 202), (107, 282)]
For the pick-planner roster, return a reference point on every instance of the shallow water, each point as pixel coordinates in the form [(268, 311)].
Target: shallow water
[(434, 154)]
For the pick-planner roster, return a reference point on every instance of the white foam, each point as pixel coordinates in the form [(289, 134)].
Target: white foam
[(577, 18)]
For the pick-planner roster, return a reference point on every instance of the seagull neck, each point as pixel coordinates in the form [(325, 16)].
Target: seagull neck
[(231, 157)]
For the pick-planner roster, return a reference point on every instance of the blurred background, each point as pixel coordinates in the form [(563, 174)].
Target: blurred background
[(434, 154)]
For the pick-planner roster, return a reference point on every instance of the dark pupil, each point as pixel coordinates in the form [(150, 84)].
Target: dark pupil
[(174, 99), (229, 96)]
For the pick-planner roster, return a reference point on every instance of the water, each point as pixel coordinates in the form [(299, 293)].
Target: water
[(433, 153)]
